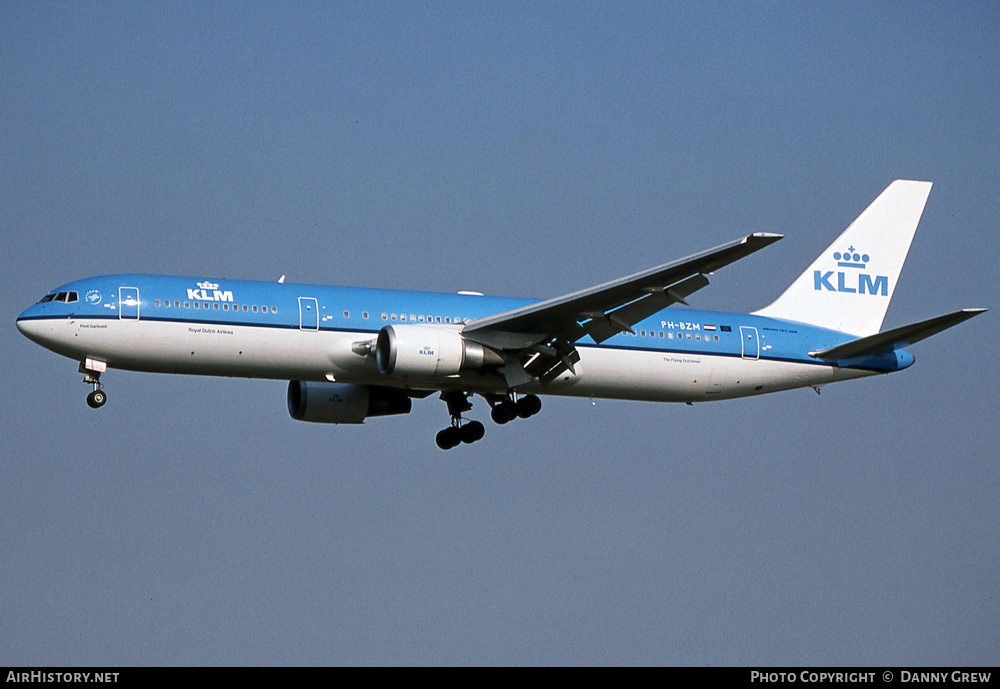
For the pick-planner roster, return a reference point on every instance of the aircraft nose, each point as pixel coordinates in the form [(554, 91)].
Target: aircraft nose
[(29, 325), (25, 325)]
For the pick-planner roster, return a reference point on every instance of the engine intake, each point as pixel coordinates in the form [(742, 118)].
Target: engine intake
[(420, 350), (343, 403)]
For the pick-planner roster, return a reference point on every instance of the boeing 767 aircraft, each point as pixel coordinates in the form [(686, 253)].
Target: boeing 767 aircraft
[(351, 353)]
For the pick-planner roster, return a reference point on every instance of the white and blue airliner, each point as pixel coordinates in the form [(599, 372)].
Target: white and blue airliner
[(351, 353)]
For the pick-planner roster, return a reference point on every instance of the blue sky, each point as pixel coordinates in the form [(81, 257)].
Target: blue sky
[(527, 149)]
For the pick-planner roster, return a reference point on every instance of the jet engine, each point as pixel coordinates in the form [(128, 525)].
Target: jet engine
[(343, 403), (424, 351)]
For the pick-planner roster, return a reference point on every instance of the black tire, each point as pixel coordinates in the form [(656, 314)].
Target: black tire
[(96, 399), (504, 412), (528, 406), (473, 431), (448, 438)]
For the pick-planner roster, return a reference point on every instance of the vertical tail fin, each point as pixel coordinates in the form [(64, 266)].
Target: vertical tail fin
[(849, 286)]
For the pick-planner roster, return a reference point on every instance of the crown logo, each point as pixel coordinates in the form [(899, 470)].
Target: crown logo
[(850, 258), (208, 285)]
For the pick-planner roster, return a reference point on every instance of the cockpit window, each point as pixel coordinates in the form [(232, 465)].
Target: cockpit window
[(64, 297)]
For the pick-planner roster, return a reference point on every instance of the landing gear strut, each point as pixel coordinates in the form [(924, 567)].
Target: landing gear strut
[(97, 398), (457, 432)]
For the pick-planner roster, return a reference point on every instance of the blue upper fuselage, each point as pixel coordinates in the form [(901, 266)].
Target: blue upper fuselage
[(224, 302)]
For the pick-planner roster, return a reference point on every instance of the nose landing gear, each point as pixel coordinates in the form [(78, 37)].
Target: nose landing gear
[(96, 399), (92, 376)]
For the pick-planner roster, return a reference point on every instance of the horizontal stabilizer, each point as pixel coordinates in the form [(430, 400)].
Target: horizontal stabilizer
[(897, 338)]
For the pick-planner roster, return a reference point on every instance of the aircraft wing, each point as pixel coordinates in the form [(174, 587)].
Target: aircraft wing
[(543, 333)]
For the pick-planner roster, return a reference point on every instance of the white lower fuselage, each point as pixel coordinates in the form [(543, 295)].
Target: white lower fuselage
[(617, 372)]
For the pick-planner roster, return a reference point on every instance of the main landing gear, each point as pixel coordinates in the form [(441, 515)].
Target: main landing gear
[(458, 433), (505, 409), (508, 409), (98, 397)]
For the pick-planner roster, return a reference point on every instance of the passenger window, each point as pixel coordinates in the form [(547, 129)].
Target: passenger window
[(197, 305), (225, 307), (274, 309), (347, 314), (402, 317), (364, 314), (437, 319), (255, 308), (187, 305), (156, 302), (420, 319), (447, 319), (215, 306)]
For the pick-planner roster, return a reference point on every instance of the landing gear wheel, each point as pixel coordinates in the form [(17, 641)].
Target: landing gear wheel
[(96, 399), (504, 412), (473, 431), (528, 406), (449, 437)]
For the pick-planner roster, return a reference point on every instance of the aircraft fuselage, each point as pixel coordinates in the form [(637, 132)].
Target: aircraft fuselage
[(238, 328)]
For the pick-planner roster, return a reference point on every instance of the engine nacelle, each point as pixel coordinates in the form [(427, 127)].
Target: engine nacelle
[(426, 351), (343, 403)]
